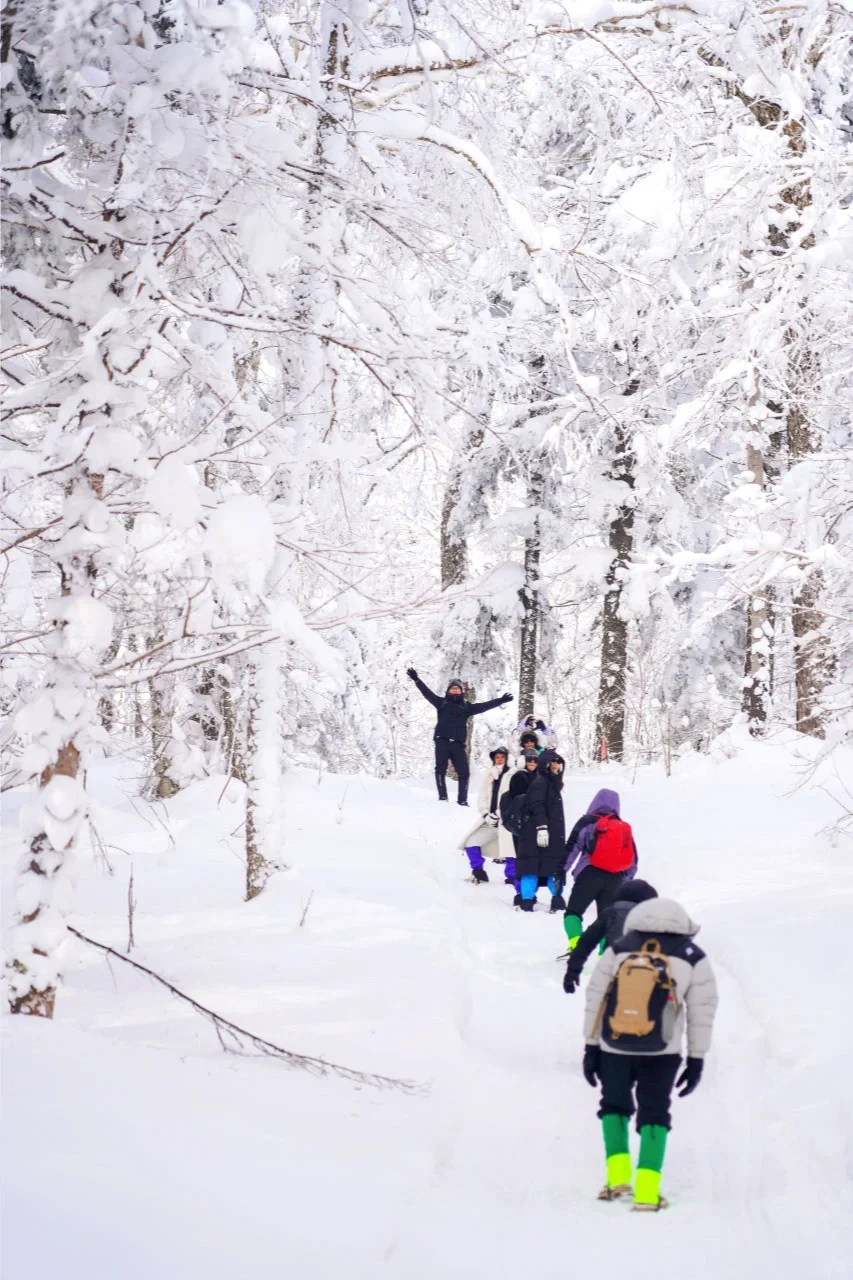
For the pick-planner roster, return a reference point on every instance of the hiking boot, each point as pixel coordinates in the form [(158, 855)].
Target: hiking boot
[(508, 881), (558, 903), (463, 803), (479, 875), (616, 1193), (662, 1203), (526, 904), (516, 902)]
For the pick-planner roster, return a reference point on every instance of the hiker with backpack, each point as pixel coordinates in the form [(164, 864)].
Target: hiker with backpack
[(606, 929), (512, 816), (451, 731), (542, 838), (600, 853), (647, 988), (488, 837)]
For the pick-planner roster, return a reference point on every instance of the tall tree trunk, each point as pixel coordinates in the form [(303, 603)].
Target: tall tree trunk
[(758, 648), (614, 626), (454, 544), (530, 598), (256, 763), (64, 713), (453, 547), (812, 661)]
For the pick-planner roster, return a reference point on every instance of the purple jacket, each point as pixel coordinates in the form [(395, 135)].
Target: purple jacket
[(582, 835)]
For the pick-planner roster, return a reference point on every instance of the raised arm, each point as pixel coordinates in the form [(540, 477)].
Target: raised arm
[(475, 708), (419, 684)]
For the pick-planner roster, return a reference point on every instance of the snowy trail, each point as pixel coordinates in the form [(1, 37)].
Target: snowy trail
[(179, 1162)]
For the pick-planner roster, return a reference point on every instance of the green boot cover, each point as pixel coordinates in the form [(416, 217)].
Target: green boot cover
[(652, 1150), (615, 1130), (573, 926)]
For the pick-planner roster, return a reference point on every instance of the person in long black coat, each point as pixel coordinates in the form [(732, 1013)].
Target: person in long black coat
[(542, 843), (451, 731)]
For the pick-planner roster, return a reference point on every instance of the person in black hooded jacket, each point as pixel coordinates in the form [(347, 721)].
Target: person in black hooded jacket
[(542, 843), (608, 928), (451, 731)]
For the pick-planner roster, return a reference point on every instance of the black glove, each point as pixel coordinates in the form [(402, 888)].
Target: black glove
[(592, 1064), (540, 725), (571, 981), (690, 1076), (411, 673), (507, 697)]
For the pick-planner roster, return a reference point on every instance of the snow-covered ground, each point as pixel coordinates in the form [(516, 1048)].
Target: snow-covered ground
[(136, 1150)]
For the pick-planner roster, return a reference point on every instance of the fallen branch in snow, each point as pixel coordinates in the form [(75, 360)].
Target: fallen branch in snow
[(237, 1035), (305, 912)]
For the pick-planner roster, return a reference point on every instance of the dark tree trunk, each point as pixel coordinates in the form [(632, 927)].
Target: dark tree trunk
[(530, 599), (812, 661), (454, 545), (614, 626), (758, 651)]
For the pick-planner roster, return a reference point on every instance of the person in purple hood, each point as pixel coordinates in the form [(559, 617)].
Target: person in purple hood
[(601, 855)]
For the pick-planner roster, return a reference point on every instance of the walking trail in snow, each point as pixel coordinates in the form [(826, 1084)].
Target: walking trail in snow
[(137, 1150)]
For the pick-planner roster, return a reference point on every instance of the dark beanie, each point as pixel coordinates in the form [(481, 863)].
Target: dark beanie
[(636, 891)]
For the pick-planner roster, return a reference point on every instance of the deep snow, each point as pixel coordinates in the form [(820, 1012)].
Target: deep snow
[(136, 1150)]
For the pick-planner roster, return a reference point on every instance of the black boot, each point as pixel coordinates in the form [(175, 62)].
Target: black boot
[(526, 904), (464, 803), (480, 875), (516, 902), (558, 903)]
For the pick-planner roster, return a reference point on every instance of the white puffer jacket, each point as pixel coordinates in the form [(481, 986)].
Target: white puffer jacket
[(695, 985), (506, 848)]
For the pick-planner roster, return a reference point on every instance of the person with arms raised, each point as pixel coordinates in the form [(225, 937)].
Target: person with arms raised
[(451, 731)]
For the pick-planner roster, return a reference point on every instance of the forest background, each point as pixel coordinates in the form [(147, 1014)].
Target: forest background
[(508, 340)]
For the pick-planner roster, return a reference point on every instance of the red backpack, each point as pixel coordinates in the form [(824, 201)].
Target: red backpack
[(614, 845)]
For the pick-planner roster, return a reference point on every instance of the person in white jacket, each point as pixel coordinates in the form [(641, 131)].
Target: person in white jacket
[(649, 988), (488, 837)]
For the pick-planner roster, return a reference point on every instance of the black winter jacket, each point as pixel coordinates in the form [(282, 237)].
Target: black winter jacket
[(610, 925), (454, 713), (545, 807)]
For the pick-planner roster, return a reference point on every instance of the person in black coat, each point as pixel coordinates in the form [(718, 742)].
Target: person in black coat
[(608, 928), (451, 731), (542, 843)]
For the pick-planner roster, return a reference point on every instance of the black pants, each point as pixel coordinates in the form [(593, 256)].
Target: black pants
[(649, 1076), (596, 885), (445, 751)]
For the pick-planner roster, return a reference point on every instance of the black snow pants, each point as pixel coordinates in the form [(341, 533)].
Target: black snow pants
[(447, 750), (593, 885), (650, 1076)]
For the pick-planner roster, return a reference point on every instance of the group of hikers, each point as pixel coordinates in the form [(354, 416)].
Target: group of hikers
[(652, 982)]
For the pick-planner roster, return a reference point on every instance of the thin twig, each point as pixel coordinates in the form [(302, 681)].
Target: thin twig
[(305, 912), (317, 1066)]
